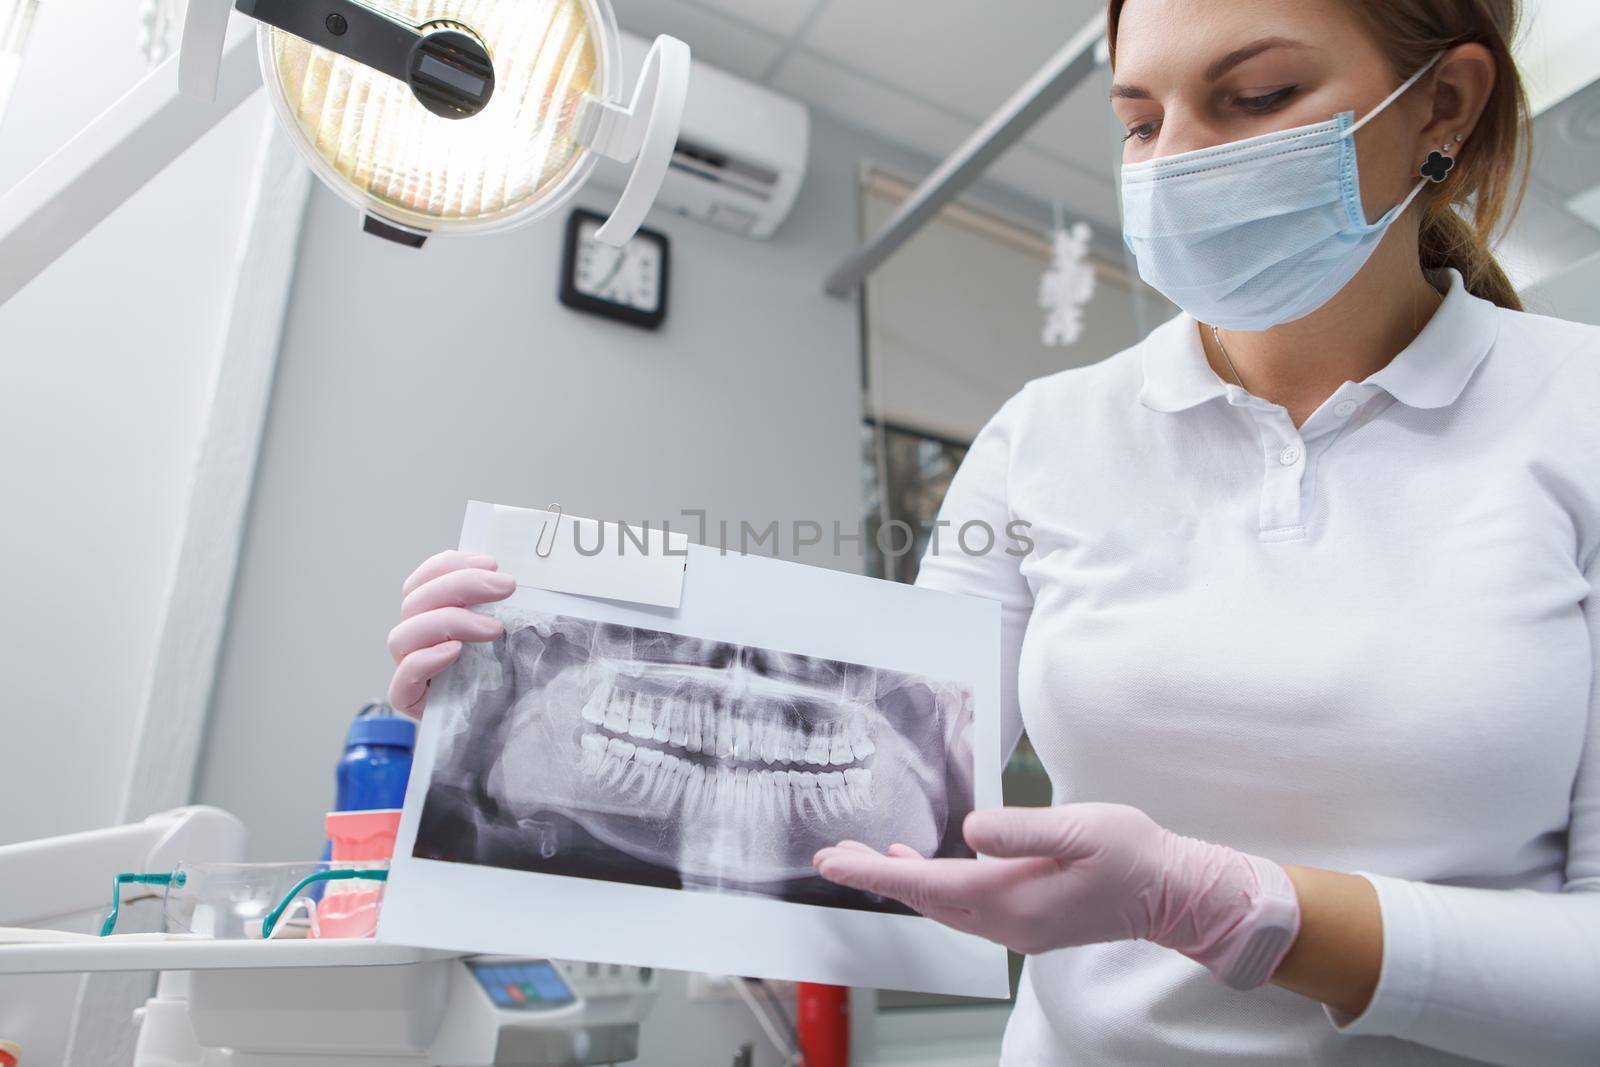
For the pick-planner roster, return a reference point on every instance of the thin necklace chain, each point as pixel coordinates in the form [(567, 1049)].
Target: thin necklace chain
[(1217, 337)]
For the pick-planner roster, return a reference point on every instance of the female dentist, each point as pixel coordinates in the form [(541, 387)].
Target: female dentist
[(1315, 575)]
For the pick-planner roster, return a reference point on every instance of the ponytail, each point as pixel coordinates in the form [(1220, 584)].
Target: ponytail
[(1448, 240)]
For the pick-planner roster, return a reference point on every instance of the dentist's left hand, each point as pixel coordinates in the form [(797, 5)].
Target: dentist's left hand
[(435, 620), (1084, 873)]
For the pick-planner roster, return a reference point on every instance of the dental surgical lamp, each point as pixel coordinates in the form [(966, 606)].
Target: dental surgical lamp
[(430, 116)]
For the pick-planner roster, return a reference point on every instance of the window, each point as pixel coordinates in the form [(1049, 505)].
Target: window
[(918, 468), (951, 329), (917, 471), (951, 323)]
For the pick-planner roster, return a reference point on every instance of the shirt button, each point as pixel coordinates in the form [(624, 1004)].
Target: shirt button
[(1290, 455), (1344, 408)]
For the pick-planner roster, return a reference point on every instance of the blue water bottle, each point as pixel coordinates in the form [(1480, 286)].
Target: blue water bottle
[(377, 760), (376, 763)]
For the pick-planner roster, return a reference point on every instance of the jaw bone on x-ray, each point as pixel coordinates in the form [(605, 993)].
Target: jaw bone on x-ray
[(599, 750)]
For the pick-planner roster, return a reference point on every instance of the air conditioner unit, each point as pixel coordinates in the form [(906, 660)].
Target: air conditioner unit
[(741, 155)]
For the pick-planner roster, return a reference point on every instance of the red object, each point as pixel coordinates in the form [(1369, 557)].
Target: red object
[(822, 1015)]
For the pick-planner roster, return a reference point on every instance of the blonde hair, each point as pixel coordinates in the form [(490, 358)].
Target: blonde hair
[(1491, 172)]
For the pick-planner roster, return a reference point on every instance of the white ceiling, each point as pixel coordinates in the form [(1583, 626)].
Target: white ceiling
[(922, 73)]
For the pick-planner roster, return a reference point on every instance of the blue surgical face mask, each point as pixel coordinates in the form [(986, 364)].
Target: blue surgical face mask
[(1259, 232)]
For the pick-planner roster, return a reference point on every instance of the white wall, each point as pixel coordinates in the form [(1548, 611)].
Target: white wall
[(1569, 294), (1554, 48), (105, 364)]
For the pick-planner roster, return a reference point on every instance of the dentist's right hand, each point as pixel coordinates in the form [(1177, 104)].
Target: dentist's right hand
[(435, 620)]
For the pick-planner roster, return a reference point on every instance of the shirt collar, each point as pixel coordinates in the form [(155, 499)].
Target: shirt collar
[(1429, 373)]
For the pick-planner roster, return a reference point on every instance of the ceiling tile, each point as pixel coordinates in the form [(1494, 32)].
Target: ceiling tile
[(1087, 191), (892, 115), (965, 56), (782, 17), (715, 40)]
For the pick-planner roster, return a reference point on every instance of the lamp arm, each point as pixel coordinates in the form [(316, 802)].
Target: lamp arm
[(348, 27), (446, 65), (60, 201), (645, 133)]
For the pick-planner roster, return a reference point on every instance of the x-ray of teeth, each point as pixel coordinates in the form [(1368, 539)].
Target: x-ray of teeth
[(592, 786), (599, 750)]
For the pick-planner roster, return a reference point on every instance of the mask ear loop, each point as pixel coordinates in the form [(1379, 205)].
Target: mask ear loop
[(1375, 112), (1392, 97)]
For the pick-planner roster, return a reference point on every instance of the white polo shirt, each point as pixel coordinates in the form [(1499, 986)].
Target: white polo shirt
[(1367, 644)]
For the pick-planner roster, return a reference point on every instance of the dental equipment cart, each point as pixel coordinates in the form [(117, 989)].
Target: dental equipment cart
[(324, 1003)]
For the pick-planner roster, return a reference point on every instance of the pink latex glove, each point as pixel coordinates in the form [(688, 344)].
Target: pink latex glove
[(1080, 874), (434, 620)]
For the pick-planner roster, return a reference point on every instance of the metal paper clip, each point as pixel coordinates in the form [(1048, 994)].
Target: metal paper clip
[(540, 549)]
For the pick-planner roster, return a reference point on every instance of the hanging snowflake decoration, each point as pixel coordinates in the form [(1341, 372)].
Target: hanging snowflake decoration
[(1068, 285)]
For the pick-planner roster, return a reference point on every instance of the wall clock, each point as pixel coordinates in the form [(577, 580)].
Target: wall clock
[(628, 284)]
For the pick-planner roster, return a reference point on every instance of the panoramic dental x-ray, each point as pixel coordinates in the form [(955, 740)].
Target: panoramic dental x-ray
[(605, 751)]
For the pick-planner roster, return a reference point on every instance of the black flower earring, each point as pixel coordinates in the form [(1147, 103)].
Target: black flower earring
[(1439, 163)]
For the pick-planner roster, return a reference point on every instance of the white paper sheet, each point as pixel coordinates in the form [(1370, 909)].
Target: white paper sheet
[(526, 831), (571, 554)]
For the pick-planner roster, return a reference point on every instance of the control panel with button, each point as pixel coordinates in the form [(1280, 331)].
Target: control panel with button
[(507, 1011), (523, 985)]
